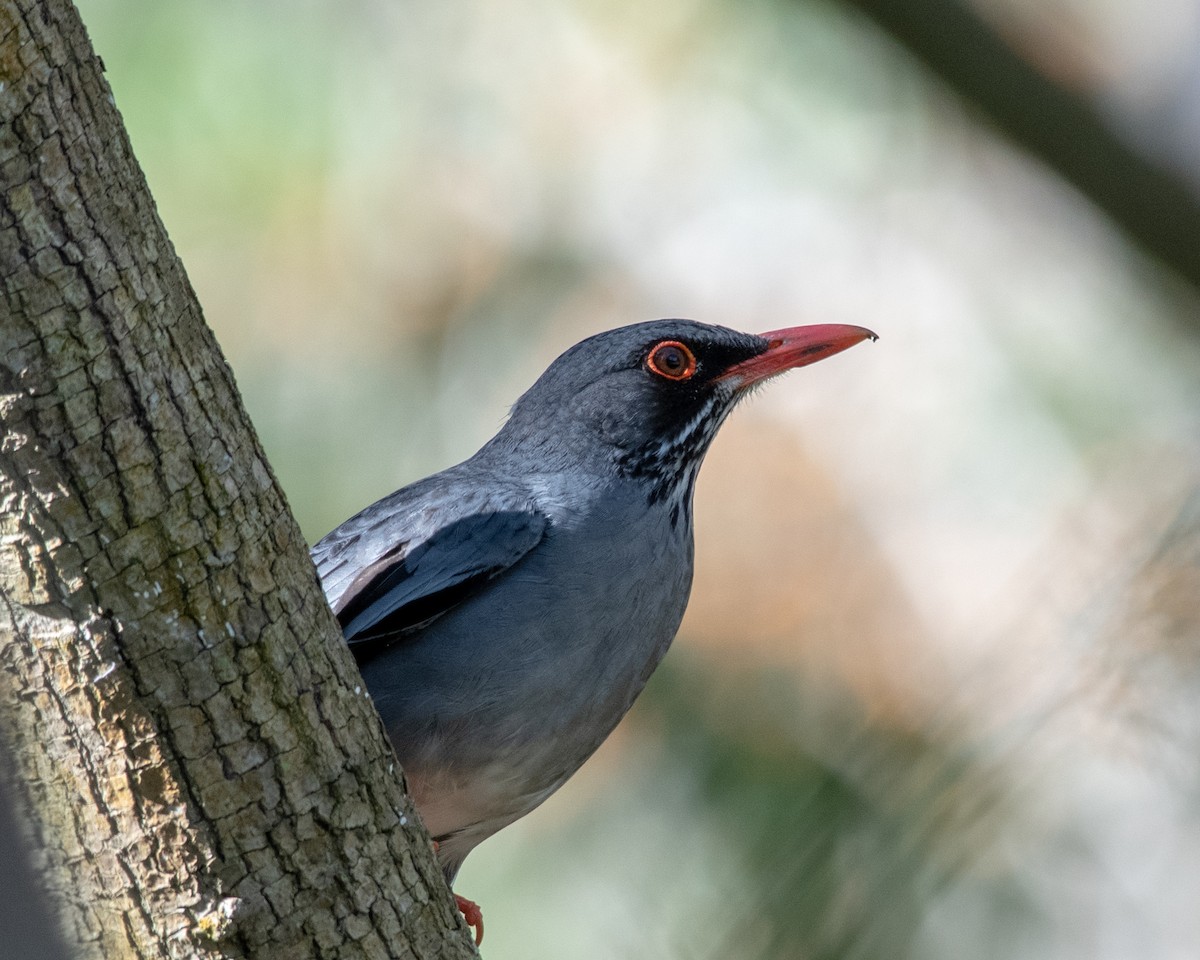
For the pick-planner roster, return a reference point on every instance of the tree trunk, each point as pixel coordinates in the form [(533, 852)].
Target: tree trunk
[(199, 770)]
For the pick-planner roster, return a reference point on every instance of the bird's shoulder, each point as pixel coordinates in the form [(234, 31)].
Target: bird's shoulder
[(416, 553)]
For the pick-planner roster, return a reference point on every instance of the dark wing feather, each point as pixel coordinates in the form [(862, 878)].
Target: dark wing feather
[(408, 584)]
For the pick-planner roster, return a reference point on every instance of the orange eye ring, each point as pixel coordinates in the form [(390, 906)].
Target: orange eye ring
[(671, 360)]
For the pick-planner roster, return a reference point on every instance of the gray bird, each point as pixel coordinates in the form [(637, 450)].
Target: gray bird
[(506, 612)]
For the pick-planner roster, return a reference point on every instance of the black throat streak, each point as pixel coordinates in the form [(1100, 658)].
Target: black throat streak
[(668, 467)]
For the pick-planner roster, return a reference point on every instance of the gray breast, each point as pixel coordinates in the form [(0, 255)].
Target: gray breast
[(537, 669)]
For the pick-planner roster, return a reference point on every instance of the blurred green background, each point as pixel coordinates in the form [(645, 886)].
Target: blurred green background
[(936, 694)]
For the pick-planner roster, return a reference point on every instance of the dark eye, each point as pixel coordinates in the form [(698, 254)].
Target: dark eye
[(671, 359)]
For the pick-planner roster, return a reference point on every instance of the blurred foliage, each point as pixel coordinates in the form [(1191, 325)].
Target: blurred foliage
[(846, 831)]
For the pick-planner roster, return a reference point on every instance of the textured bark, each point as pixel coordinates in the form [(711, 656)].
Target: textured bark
[(198, 770)]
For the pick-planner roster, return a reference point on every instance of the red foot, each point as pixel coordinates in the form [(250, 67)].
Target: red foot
[(469, 909), (472, 914)]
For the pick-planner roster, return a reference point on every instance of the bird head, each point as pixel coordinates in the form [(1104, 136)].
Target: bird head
[(647, 399)]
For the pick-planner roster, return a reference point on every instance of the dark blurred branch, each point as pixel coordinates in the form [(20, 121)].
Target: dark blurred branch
[(1155, 208), (29, 929)]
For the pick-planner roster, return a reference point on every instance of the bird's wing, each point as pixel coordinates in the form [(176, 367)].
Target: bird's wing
[(389, 572)]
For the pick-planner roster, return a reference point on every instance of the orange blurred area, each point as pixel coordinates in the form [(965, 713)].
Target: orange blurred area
[(787, 577)]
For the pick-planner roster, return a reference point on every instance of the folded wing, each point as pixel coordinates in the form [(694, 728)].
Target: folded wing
[(388, 573)]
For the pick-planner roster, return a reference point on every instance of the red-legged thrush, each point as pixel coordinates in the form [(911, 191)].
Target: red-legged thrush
[(507, 611)]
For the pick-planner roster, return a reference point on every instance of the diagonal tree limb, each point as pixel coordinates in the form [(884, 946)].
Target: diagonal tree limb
[(198, 770), (1153, 206)]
